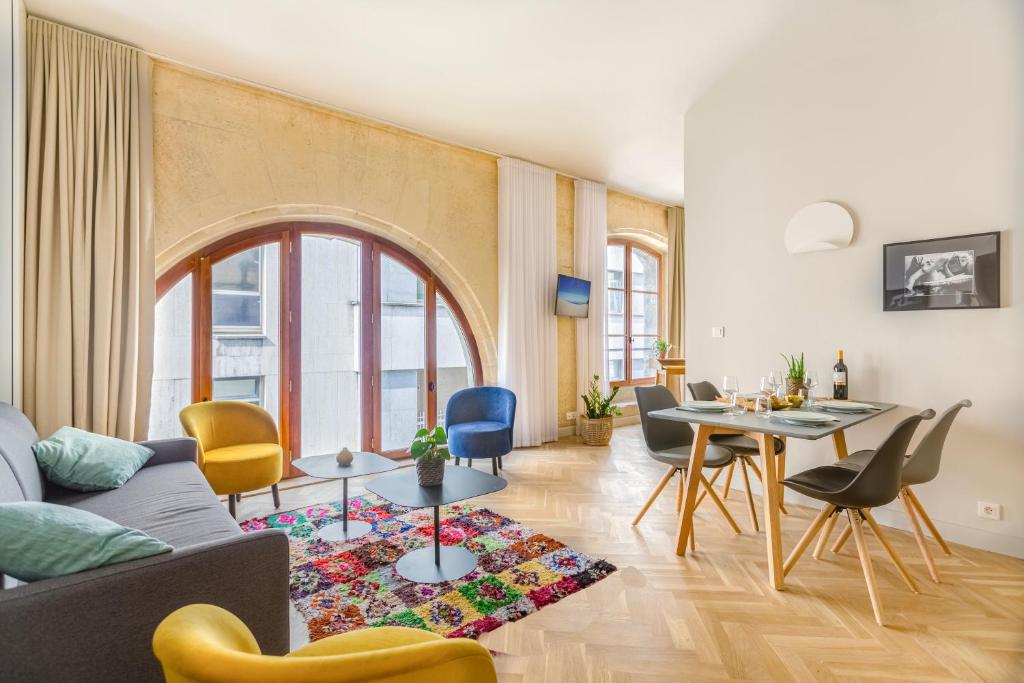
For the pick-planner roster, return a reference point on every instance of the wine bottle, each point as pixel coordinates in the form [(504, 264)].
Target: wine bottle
[(840, 388)]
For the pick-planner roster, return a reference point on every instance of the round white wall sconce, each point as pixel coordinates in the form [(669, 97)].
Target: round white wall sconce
[(819, 227)]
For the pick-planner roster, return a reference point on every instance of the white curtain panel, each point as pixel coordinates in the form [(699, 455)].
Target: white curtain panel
[(590, 246), (527, 273)]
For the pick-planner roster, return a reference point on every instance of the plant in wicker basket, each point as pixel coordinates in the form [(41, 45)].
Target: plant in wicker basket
[(430, 449), (596, 423), (794, 374)]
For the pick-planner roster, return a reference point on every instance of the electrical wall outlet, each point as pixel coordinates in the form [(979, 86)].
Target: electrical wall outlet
[(990, 510), (570, 416), (717, 332)]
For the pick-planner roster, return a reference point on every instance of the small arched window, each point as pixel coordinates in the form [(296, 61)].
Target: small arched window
[(634, 312), (344, 337)]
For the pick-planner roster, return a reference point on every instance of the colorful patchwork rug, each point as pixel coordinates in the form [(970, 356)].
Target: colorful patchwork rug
[(339, 587)]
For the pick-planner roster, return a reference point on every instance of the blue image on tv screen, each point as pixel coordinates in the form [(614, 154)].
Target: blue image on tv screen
[(573, 298)]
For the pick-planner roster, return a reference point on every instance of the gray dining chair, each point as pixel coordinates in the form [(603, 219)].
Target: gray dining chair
[(877, 482), (744, 447), (919, 467), (671, 443)]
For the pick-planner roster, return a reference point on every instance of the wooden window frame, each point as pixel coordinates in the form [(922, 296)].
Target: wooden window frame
[(257, 398), (627, 310), (289, 237), (247, 331)]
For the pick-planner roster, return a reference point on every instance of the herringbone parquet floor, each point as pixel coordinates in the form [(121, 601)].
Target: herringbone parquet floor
[(710, 616)]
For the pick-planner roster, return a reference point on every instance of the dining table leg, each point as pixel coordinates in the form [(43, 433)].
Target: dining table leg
[(839, 441), (772, 523), (693, 474)]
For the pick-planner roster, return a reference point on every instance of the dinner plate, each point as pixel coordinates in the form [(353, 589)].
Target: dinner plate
[(705, 406), (801, 423)]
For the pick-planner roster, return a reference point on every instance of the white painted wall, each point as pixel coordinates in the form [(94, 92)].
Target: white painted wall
[(911, 114), (12, 127)]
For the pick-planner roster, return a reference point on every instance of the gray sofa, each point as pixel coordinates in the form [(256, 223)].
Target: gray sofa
[(98, 625)]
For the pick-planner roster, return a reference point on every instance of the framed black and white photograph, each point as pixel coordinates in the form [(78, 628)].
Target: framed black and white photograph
[(945, 272)]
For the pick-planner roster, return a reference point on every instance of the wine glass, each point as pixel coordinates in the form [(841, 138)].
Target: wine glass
[(780, 384), (731, 387), (810, 381), (769, 384)]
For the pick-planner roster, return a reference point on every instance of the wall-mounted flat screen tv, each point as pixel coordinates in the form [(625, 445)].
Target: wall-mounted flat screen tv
[(573, 298)]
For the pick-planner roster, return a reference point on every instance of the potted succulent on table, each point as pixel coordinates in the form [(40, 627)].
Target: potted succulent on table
[(430, 449), (596, 423), (662, 347), (794, 374)]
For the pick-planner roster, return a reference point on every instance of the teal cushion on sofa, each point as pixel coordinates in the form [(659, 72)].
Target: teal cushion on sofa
[(42, 540), (83, 461)]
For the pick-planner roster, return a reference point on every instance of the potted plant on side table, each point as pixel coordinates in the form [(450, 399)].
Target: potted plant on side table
[(662, 347), (430, 449), (596, 423)]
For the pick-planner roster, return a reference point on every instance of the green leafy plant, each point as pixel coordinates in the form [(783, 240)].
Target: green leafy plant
[(661, 347), (795, 366), (597, 404), (430, 445)]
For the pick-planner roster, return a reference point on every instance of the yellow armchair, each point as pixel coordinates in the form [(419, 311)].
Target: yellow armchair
[(207, 644), (239, 449)]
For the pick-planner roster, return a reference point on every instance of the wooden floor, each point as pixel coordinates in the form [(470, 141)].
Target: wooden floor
[(711, 616)]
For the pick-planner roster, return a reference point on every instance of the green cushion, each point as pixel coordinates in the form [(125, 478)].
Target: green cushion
[(43, 540), (84, 461)]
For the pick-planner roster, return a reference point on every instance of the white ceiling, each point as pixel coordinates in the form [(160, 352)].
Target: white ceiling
[(594, 88)]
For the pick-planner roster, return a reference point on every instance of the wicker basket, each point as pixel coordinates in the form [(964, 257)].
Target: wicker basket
[(596, 432), (794, 385), (430, 472)]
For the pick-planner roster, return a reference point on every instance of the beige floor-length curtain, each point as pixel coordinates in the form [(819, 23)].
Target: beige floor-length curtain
[(674, 291), (89, 269)]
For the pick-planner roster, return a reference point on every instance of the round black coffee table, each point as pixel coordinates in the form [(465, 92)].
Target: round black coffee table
[(439, 564), (327, 467)]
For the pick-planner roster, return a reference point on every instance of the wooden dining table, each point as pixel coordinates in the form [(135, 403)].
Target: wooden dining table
[(761, 430)]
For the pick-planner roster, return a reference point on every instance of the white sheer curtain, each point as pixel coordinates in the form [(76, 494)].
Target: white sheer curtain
[(527, 272), (590, 247)]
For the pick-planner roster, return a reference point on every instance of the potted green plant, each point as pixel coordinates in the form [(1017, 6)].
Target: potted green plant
[(430, 449), (794, 374), (662, 347), (597, 420)]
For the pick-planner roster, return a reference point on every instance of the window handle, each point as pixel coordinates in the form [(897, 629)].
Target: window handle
[(431, 386)]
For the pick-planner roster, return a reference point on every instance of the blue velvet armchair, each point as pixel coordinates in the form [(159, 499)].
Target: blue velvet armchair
[(479, 423)]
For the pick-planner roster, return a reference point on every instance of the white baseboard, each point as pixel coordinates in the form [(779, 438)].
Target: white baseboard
[(957, 533)]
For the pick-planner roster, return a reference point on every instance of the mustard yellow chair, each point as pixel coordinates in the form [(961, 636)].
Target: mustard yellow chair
[(239, 449), (208, 644)]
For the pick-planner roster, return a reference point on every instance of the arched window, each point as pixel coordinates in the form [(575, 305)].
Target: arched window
[(345, 338), (634, 312)]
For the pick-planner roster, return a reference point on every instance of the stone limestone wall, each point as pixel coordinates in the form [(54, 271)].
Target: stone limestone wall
[(229, 156)]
